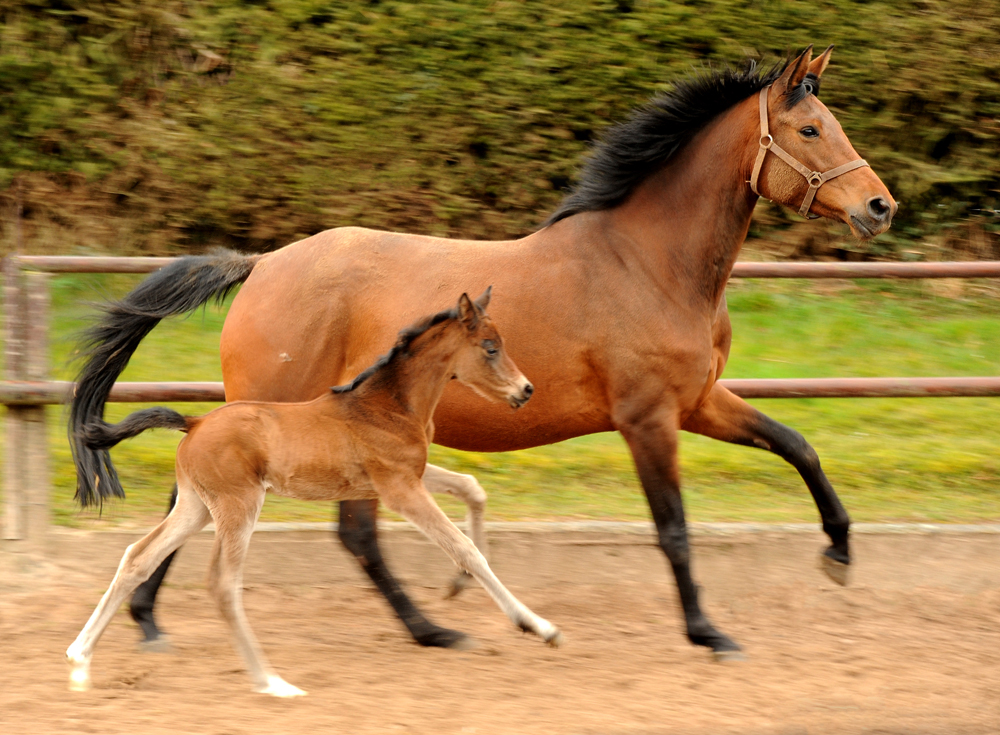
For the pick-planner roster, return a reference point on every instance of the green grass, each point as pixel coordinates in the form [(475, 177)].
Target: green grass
[(890, 459)]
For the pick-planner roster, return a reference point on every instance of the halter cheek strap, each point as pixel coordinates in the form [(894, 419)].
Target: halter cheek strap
[(815, 178)]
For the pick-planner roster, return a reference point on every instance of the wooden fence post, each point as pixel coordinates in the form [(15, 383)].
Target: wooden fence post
[(14, 348), (26, 478)]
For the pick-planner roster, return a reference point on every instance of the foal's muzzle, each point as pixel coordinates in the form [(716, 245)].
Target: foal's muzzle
[(518, 400)]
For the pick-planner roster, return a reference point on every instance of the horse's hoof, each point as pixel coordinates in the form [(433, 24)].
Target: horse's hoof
[(835, 570), (446, 638), (459, 584), (278, 687), (156, 645), (724, 657)]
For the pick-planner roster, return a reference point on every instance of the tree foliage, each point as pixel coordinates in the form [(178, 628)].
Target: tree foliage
[(168, 125)]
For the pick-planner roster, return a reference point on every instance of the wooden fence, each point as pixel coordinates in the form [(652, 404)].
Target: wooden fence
[(26, 390)]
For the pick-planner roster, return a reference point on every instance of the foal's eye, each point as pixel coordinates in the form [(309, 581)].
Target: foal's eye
[(809, 132), (492, 351)]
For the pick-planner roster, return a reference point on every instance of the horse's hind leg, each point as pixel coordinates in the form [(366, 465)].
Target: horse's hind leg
[(358, 532), (415, 504), (729, 418), (144, 599), (234, 523), (467, 489), (188, 517)]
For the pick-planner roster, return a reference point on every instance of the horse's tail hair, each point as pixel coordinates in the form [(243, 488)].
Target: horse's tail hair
[(180, 287), (102, 435)]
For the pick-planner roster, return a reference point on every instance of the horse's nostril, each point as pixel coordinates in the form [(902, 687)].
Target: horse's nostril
[(528, 390), (879, 208)]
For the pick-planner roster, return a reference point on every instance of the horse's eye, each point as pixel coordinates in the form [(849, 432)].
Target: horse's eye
[(809, 132)]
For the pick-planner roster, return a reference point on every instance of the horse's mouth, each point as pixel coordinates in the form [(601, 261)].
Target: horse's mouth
[(861, 229)]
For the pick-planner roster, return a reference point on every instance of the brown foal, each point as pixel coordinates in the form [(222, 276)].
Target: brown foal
[(364, 440)]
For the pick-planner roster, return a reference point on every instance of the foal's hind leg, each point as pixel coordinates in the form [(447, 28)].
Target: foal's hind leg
[(467, 489), (234, 523), (729, 418), (188, 517), (415, 504)]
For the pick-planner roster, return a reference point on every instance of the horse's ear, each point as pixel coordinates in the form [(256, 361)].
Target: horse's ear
[(484, 300), (794, 73), (818, 65), (467, 312)]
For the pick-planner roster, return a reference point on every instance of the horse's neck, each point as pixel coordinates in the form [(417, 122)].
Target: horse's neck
[(687, 222), (415, 381)]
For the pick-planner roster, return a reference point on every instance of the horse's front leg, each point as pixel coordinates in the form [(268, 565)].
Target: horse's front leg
[(358, 532), (729, 418), (467, 489), (651, 434)]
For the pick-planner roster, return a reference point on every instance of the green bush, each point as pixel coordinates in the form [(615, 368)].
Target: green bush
[(166, 126)]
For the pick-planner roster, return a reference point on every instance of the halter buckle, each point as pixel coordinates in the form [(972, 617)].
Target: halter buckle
[(815, 179), (770, 141)]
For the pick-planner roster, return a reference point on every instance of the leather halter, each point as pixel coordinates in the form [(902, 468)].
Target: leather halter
[(816, 179)]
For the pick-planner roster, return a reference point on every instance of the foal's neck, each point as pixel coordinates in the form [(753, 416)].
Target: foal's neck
[(688, 221), (414, 380)]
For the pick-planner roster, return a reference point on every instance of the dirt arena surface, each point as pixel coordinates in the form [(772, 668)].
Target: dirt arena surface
[(912, 646)]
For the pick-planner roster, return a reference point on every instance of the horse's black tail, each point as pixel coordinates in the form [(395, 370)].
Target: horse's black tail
[(102, 435), (182, 286)]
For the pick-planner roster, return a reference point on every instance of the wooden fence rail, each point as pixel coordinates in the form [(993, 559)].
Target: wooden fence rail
[(26, 391)]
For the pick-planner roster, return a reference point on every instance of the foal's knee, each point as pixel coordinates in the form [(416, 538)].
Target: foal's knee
[(475, 496)]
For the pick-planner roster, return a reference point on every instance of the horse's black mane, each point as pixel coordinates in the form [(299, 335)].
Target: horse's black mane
[(630, 151), (403, 342)]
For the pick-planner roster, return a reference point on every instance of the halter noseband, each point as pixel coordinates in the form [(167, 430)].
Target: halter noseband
[(815, 178)]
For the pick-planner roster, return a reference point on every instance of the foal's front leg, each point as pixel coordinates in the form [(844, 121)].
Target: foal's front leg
[(467, 489), (414, 503)]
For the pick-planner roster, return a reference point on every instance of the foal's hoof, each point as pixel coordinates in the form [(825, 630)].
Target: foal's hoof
[(278, 687), (835, 570), (458, 584), (160, 644), (555, 639), (79, 678)]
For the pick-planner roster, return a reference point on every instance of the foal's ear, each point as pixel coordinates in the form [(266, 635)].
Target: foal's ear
[(795, 72), (484, 300), (467, 312), (818, 65)]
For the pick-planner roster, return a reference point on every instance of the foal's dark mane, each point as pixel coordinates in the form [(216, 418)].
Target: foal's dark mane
[(629, 152), (402, 347)]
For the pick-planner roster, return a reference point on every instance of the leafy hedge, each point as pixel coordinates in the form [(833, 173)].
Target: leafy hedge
[(168, 125)]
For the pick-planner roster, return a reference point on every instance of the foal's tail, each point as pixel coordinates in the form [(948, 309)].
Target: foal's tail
[(102, 435), (182, 286)]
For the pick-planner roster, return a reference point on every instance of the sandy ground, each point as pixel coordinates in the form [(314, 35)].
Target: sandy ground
[(913, 646)]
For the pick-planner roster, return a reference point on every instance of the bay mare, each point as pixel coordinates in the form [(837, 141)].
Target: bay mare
[(363, 441), (616, 308)]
